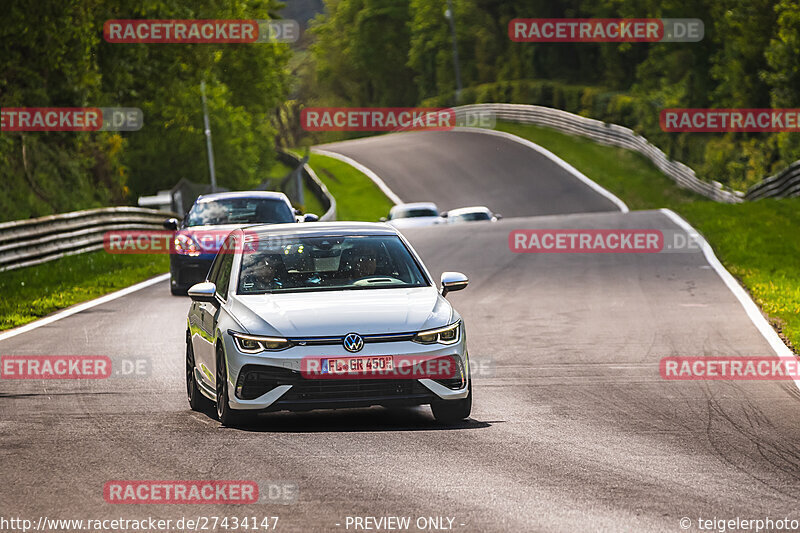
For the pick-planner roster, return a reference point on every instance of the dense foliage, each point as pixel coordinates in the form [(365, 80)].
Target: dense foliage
[(52, 54), (367, 53), (399, 52)]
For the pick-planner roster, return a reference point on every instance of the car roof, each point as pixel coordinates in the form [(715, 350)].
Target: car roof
[(322, 229), (416, 205), (243, 194), (473, 209)]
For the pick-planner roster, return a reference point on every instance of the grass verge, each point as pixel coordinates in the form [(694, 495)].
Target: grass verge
[(312, 203), (629, 175), (357, 196), (33, 292), (757, 242)]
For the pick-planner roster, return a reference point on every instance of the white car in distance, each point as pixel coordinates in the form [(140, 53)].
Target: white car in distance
[(414, 215), (478, 213)]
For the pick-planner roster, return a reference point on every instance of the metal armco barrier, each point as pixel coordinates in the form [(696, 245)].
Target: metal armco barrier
[(604, 133), (784, 184), (38, 240)]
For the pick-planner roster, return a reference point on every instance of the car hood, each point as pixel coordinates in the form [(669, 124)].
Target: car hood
[(334, 313)]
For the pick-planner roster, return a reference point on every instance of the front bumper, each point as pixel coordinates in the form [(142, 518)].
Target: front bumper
[(272, 381)]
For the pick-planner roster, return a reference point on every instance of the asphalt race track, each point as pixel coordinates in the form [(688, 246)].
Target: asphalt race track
[(463, 168), (572, 428)]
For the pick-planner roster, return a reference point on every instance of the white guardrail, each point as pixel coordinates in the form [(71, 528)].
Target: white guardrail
[(604, 133), (38, 240)]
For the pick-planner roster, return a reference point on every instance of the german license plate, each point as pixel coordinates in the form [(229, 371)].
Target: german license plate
[(358, 365)]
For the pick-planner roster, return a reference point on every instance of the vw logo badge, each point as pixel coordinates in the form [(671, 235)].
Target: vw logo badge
[(353, 342)]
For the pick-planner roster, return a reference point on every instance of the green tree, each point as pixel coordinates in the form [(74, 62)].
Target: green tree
[(783, 74), (55, 55), (361, 51)]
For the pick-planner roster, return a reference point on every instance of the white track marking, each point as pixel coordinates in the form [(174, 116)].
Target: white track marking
[(555, 159), (369, 173), (82, 307), (750, 307)]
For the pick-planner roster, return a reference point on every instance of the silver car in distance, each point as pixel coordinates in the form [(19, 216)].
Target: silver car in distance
[(324, 316)]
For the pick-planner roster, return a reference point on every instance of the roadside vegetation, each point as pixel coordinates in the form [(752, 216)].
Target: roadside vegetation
[(36, 291), (357, 196), (49, 172), (312, 204), (747, 59), (758, 242)]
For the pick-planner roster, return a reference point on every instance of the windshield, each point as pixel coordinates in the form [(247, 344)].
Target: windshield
[(239, 211), (478, 215), (329, 263), (415, 212)]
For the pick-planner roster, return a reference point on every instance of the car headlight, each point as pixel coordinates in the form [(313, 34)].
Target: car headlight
[(446, 335), (255, 344), (185, 245)]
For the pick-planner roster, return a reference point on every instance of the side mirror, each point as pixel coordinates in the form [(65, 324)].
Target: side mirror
[(310, 217), (453, 281), (384, 219), (298, 212), (171, 224), (443, 214), (498, 216), (203, 292)]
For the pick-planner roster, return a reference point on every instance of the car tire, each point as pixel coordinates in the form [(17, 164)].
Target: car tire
[(177, 291), (453, 411), (227, 416), (197, 401)]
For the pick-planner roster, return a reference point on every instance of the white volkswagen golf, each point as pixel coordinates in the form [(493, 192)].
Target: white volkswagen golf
[(325, 315)]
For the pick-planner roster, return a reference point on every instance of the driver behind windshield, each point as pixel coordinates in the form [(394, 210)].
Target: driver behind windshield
[(263, 273), (364, 261)]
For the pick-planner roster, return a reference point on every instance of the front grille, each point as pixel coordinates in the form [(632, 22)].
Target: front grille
[(369, 338), (344, 389), (256, 380)]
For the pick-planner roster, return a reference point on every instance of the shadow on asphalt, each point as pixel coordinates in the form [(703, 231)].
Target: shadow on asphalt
[(352, 420)]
